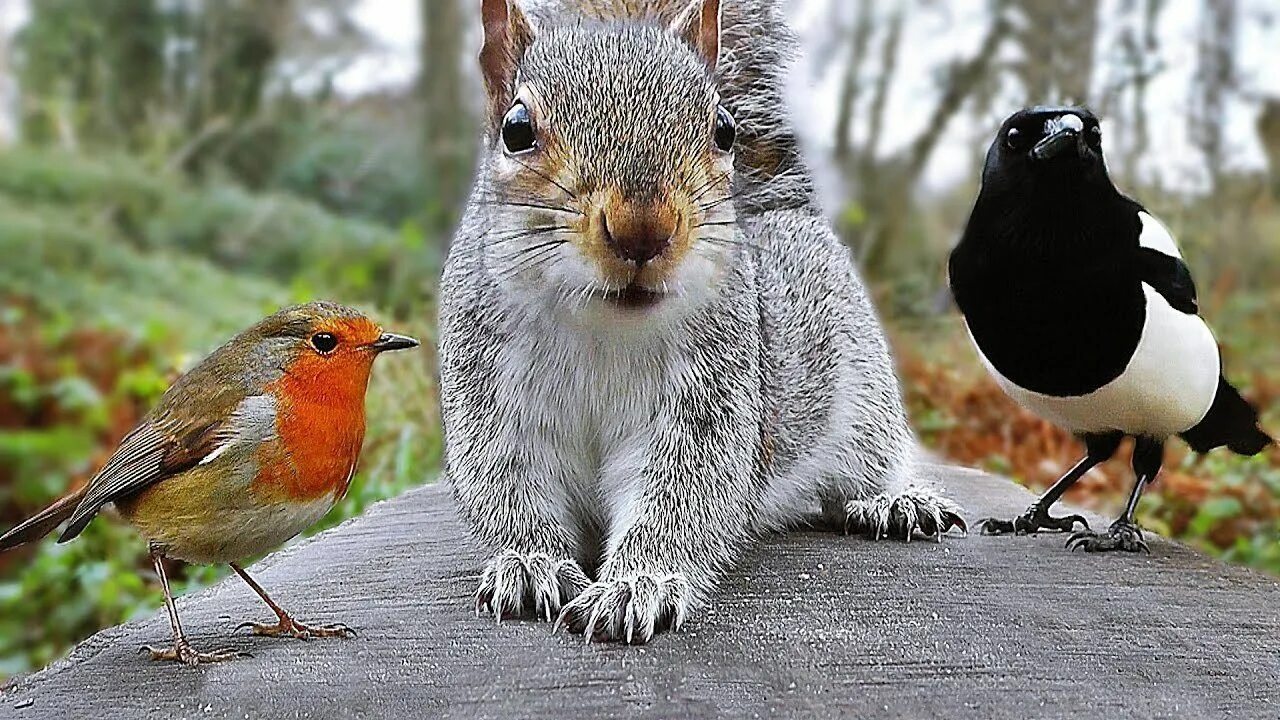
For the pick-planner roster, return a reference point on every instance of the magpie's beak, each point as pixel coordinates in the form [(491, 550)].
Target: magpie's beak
[(1060, 134), (392, 341)]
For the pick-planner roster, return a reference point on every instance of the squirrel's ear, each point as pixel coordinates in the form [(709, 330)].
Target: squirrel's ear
[(699, 25), (507, 34)]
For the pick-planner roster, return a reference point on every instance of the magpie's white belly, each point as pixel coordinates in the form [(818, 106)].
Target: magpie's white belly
[(1166, 388)]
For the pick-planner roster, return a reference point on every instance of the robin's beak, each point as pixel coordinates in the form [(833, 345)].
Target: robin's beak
[(1060, 134), (392, 341)]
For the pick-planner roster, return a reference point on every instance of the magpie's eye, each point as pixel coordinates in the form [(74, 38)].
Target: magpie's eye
[(324, 342), (1095, 136), (1013, 137), (726, 129), (517, 130)]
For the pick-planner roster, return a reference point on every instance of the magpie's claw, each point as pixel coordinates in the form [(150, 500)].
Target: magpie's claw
[(1030, 522), (1122, 535)]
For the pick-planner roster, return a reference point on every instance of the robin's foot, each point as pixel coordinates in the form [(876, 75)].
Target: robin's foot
[(288, 627), (183, 652), (1122, 535), (1032, 521), (900, 515)]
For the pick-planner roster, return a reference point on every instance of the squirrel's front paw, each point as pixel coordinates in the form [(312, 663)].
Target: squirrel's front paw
[(517, 584), (900, 515), (629, 609)]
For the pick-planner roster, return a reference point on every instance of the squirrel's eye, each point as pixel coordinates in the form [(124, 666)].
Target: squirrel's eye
[(1012, 137), (517, 130), (726, 129), (324, 342)]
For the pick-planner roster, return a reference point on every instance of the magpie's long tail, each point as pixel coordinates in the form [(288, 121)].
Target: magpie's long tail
[(42, 523), (1231, 422)]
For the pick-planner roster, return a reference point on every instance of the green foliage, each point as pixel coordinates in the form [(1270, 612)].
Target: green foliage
[(353, 169), (274, 235), (103, 60)]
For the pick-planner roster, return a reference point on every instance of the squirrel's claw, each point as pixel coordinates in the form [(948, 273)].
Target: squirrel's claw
[(516, 584), (901, 515), (630, 609)]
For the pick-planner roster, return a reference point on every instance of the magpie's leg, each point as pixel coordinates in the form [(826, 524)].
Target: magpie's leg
[(1098, 449), (1124, 533)]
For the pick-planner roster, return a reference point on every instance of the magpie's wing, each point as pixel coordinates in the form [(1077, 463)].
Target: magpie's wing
[(1160, 265), (1170, 277)]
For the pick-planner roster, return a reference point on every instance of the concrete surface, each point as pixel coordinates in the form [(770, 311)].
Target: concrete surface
[(810, 625)]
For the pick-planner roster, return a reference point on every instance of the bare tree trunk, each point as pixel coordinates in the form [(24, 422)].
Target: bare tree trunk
[(1269, 135), (8, 91), (880, 96), (448, 142), (1078, 30), (890, 185), (1214, 79), (850, 86), (1057, 41), (1141, 50), (961, 81)]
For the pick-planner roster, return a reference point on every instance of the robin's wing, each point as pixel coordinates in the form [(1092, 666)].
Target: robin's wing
[(167, 444)]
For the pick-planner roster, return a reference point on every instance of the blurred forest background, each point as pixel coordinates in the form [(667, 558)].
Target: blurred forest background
[(171, 170)]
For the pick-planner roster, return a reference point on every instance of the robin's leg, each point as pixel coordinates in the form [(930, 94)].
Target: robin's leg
[(1099, 449), (181, 650), (286, 624), (1124, 533)]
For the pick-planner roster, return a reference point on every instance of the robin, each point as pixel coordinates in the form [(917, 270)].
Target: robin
[(248, 449)]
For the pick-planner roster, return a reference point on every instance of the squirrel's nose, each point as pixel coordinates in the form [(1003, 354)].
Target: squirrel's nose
[(638, 232)]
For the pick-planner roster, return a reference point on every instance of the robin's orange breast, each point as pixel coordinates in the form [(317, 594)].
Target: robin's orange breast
[(320, 424)]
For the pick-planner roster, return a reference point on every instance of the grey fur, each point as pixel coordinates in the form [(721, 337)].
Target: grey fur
[(651, 451)]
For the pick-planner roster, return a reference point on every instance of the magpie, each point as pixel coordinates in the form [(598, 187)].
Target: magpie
[(1082, 309)]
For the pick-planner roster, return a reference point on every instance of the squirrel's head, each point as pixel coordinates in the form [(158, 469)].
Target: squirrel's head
[(607, 181)]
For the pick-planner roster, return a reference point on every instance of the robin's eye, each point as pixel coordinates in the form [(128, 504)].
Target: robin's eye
[(517, 130), (1013, 137), (324, 342), (726, 130)]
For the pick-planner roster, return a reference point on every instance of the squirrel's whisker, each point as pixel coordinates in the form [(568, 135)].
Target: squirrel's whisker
[(526, 204), (527, 233), (533, 260), (707, 187), (737, 243), (544, 176), (532, 248), (720, 201)]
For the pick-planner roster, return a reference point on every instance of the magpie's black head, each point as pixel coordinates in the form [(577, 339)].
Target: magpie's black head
[(1046, 145)]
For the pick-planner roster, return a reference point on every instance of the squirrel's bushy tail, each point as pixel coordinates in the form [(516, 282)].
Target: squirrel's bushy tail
[(756, 48)]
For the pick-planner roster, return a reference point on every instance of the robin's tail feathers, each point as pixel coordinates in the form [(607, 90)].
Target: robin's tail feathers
[(1231, 422), (43, 523)]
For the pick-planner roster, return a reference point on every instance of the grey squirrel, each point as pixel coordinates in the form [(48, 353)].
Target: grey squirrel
[(653, 349)]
